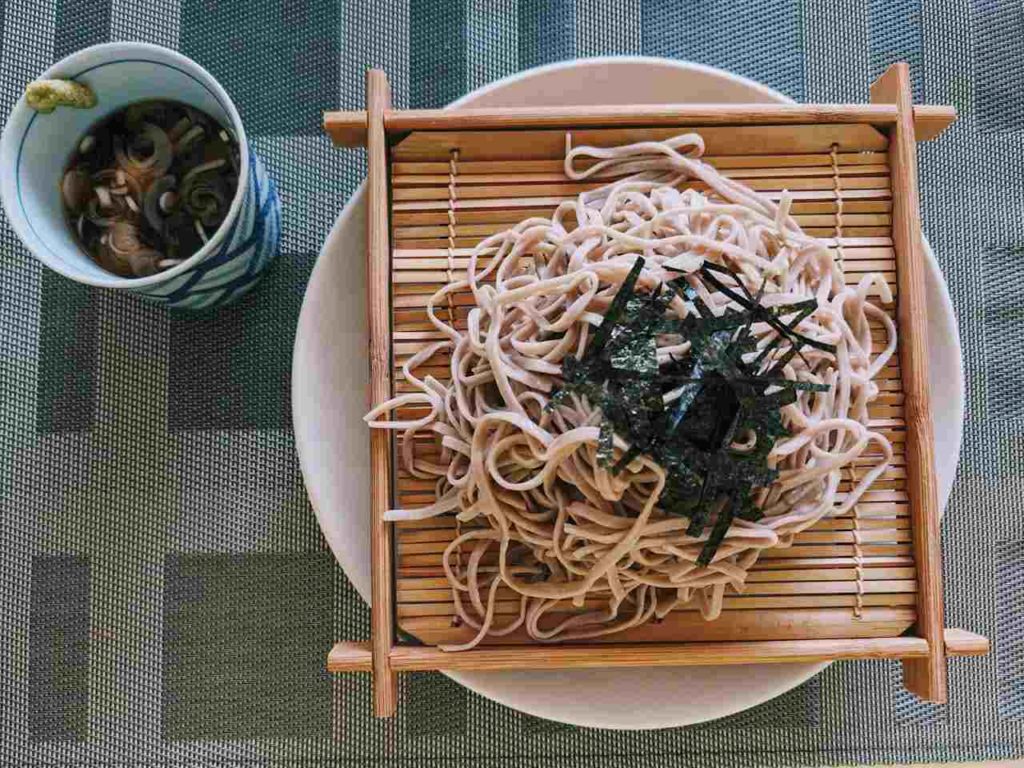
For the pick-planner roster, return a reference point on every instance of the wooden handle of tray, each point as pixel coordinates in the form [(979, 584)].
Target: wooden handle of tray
[(378, 308), (348, 129), (357, 657), (924, 677)]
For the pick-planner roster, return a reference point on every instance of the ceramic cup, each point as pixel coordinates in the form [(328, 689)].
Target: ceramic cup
[(35, 149)]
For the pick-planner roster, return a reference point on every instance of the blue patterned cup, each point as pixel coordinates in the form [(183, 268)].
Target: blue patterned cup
[(35, 149)]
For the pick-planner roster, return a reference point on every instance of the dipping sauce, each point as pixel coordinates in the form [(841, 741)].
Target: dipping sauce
[(149, 185)]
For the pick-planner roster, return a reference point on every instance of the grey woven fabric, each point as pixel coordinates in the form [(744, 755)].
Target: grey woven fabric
[(165, 595)]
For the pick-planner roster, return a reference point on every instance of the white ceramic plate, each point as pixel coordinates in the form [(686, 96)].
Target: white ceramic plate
[(329, 381)]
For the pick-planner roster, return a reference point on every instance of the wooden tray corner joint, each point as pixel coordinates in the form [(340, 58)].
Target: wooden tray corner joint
[(861, 587)]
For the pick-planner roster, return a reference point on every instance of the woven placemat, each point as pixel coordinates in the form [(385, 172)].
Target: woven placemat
[(166, 597)]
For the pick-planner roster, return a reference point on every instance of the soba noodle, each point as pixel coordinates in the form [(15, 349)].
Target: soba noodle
[(543, 523)]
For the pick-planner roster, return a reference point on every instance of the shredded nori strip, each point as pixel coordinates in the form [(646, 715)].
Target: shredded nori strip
[(720, 396)]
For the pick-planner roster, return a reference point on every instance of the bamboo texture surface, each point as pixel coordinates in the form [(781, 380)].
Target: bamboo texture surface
[(349, 128), (924, 677), (846, 577), (385, 683), (356, 657)]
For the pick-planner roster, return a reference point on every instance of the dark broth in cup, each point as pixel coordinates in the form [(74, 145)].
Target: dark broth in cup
[(147, 186)]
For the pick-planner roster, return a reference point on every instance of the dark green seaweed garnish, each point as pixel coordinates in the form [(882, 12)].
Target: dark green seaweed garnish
[(721, 398)]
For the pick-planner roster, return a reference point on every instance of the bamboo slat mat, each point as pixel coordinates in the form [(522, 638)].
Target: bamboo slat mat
[(851, 576)]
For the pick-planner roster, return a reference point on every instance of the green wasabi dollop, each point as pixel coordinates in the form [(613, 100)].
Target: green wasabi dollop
[(46, 95)]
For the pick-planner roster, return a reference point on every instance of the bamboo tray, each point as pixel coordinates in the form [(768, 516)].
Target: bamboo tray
[(864, 585)]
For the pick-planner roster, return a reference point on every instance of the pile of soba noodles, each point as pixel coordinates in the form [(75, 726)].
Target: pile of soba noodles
[(586, 550)]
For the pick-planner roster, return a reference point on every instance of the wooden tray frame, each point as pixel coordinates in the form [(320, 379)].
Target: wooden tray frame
[(923, 649)]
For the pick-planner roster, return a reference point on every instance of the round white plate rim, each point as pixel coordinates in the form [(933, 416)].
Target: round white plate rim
[(353, 560)]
